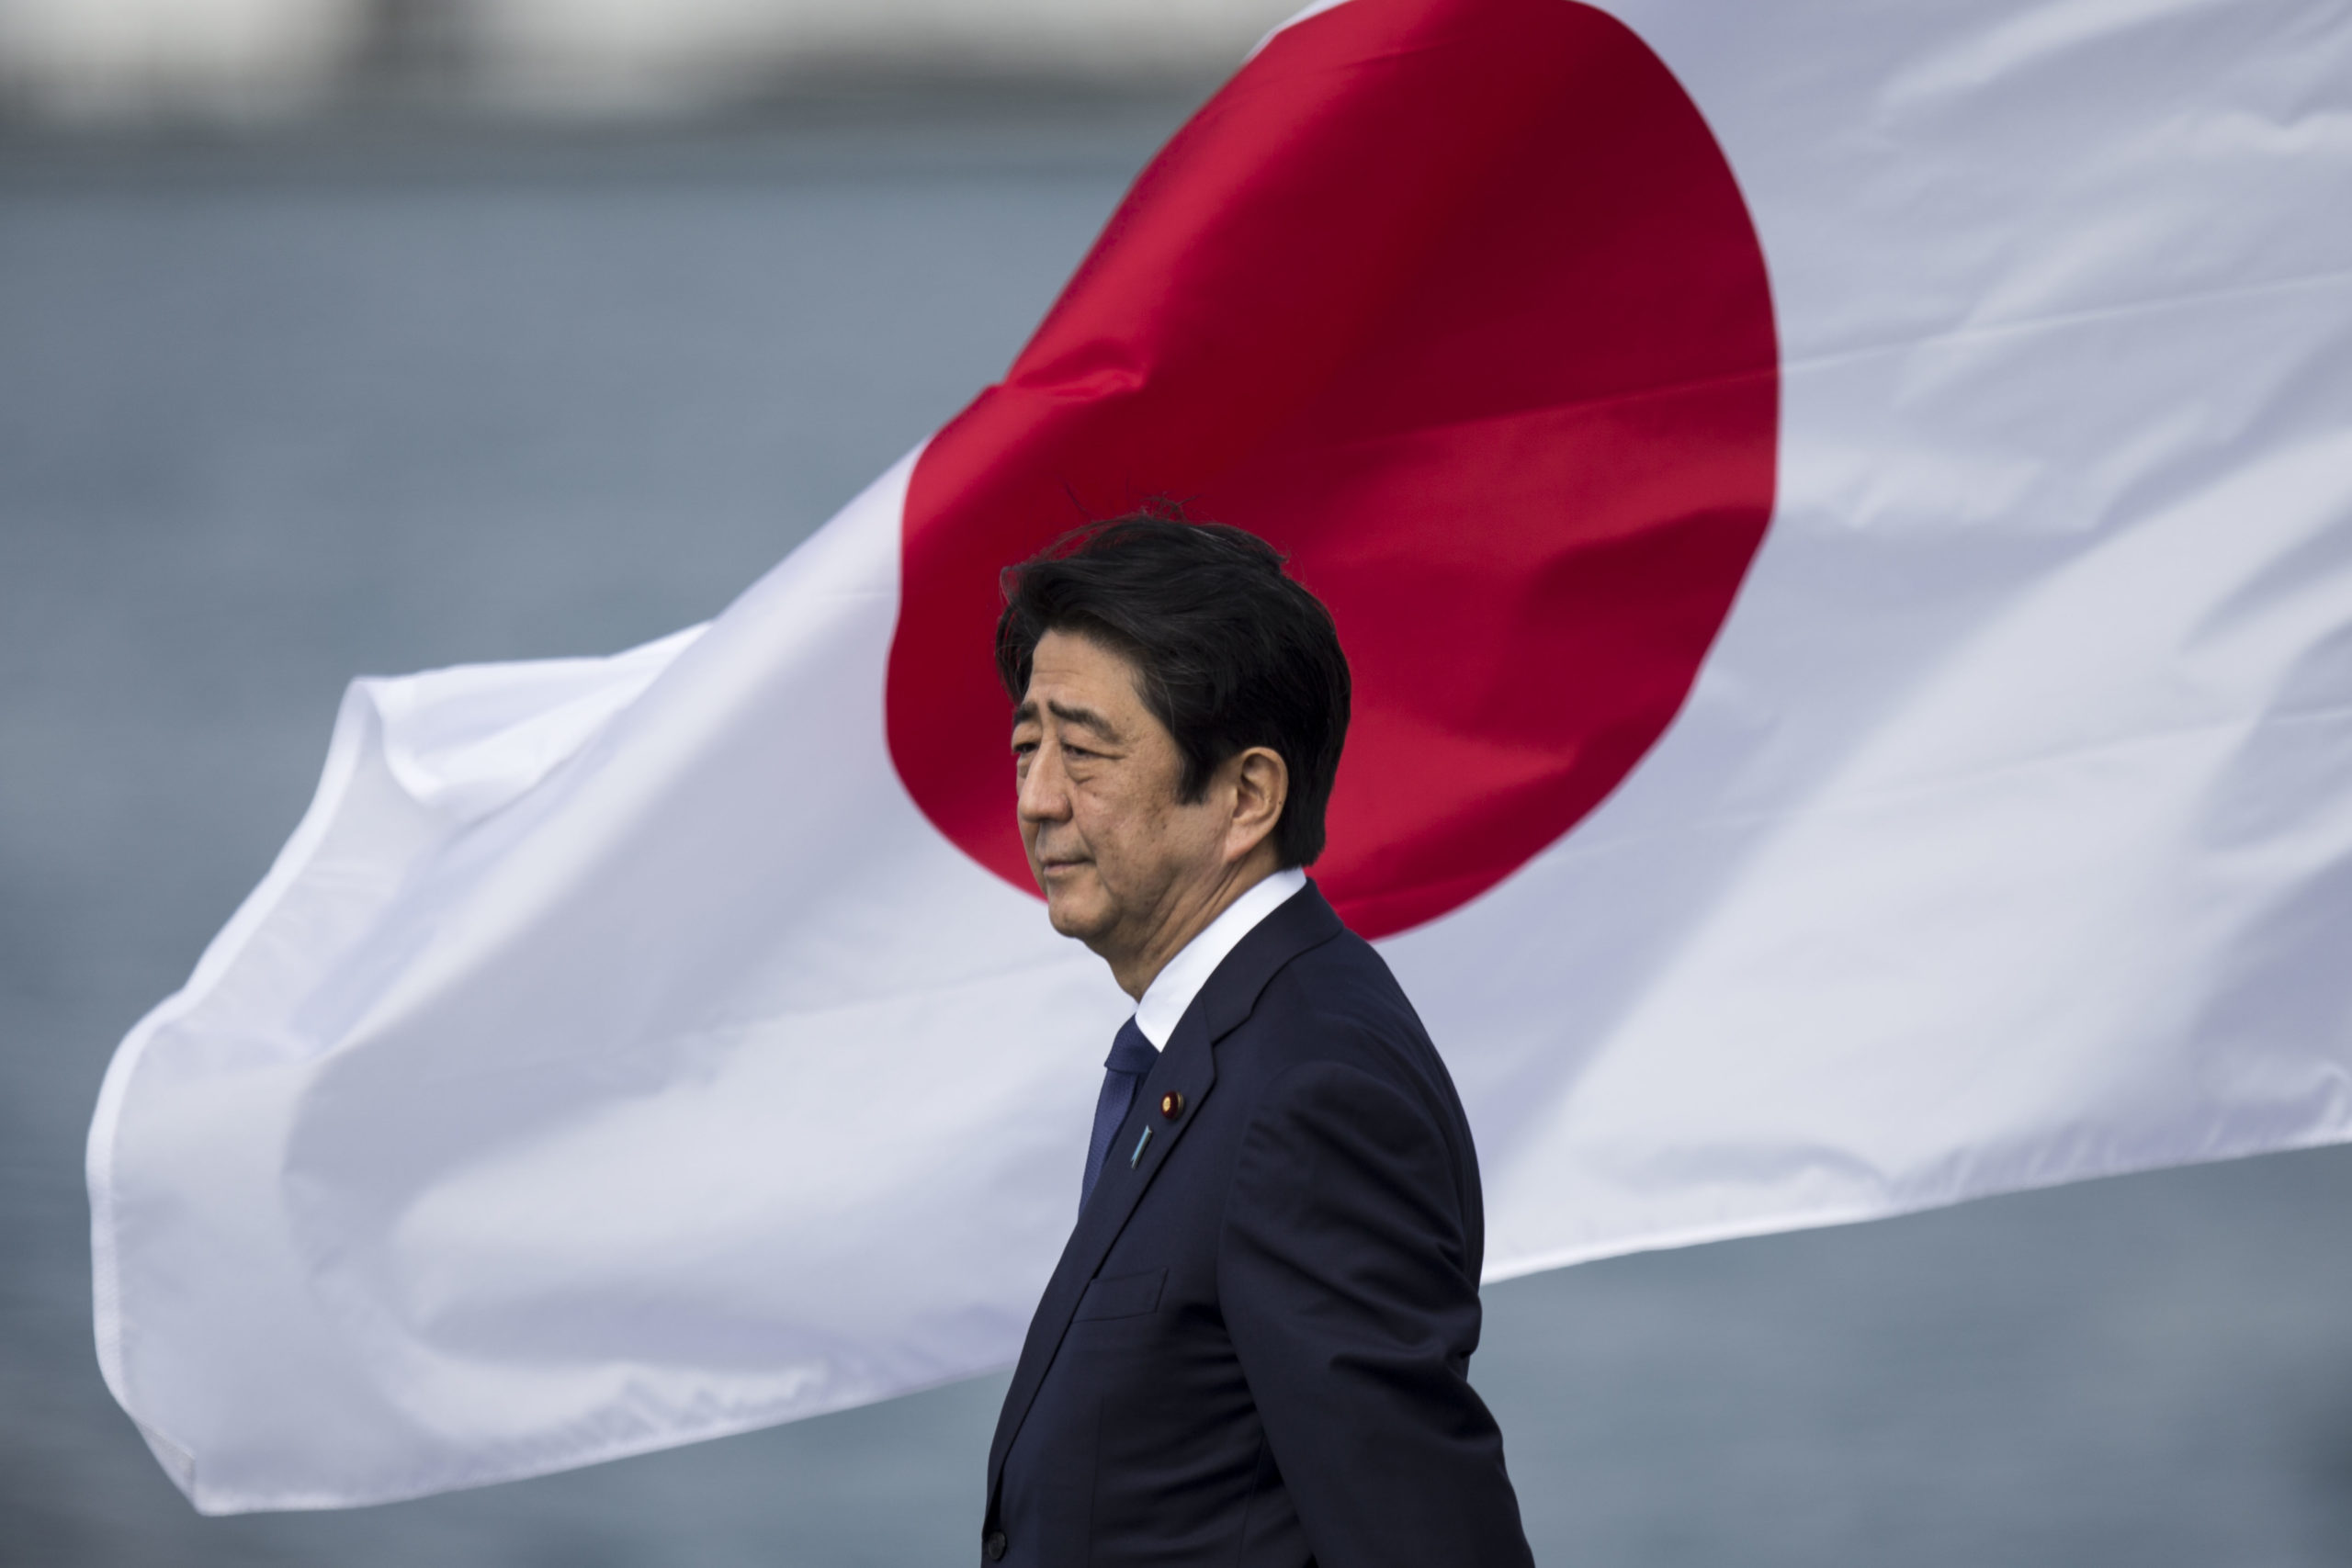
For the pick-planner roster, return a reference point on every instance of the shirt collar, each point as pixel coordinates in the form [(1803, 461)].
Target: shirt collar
[(1172, 989)]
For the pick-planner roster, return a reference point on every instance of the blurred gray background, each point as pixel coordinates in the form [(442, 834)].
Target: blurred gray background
[(409, 367)]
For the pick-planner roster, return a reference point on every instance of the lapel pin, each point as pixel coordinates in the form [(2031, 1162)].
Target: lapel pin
[(1171, 1105), (1140, 1143)]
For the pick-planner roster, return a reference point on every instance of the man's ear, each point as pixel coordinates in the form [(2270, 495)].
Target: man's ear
[(1261, 786)]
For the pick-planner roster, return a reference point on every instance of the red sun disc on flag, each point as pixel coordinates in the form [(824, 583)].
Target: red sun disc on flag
[(1458, 304)]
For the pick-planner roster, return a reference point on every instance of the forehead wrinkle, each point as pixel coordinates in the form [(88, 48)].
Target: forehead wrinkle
[(1084, 717)]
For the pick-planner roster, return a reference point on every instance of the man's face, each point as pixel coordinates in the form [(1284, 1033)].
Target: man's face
[(1111, 847)]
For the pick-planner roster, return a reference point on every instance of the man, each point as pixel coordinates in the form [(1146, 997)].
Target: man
[(1254, 1351)]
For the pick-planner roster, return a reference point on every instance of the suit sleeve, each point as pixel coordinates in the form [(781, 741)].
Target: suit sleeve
[(1346, 1285)]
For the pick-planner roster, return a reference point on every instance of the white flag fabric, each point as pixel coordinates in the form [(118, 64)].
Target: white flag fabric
[(1842, 514)]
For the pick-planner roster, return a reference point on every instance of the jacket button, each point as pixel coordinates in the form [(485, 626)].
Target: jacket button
[(1171, 1105), (993, 1546)]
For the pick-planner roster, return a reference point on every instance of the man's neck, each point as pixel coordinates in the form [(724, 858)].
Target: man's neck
[(1187, 919)]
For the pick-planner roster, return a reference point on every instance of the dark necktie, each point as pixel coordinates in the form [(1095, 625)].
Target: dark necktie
[(1123, 1073)]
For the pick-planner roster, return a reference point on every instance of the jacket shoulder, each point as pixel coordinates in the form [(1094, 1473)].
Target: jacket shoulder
[(1337, 1002), (1332, 1036)]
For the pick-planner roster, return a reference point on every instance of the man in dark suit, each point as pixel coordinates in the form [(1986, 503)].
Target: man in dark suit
[(1254, 1351)]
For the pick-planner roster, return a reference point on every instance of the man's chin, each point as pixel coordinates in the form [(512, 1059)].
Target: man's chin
[(1070, 916)]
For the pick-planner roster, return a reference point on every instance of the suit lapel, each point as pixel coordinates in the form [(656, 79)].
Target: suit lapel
[(1188, 1067)]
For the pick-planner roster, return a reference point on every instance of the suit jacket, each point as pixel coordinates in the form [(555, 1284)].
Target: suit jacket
[(1254, 1351)]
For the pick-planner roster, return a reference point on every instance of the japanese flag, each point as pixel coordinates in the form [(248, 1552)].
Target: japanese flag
[(1841, 517)]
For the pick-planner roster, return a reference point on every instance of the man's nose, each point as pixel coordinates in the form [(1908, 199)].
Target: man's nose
[(1045, 791)]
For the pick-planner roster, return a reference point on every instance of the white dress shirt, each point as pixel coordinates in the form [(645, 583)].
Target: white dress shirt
[(1172, 989)]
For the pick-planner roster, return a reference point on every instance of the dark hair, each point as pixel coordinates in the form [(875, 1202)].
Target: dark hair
[(1231, 652)]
